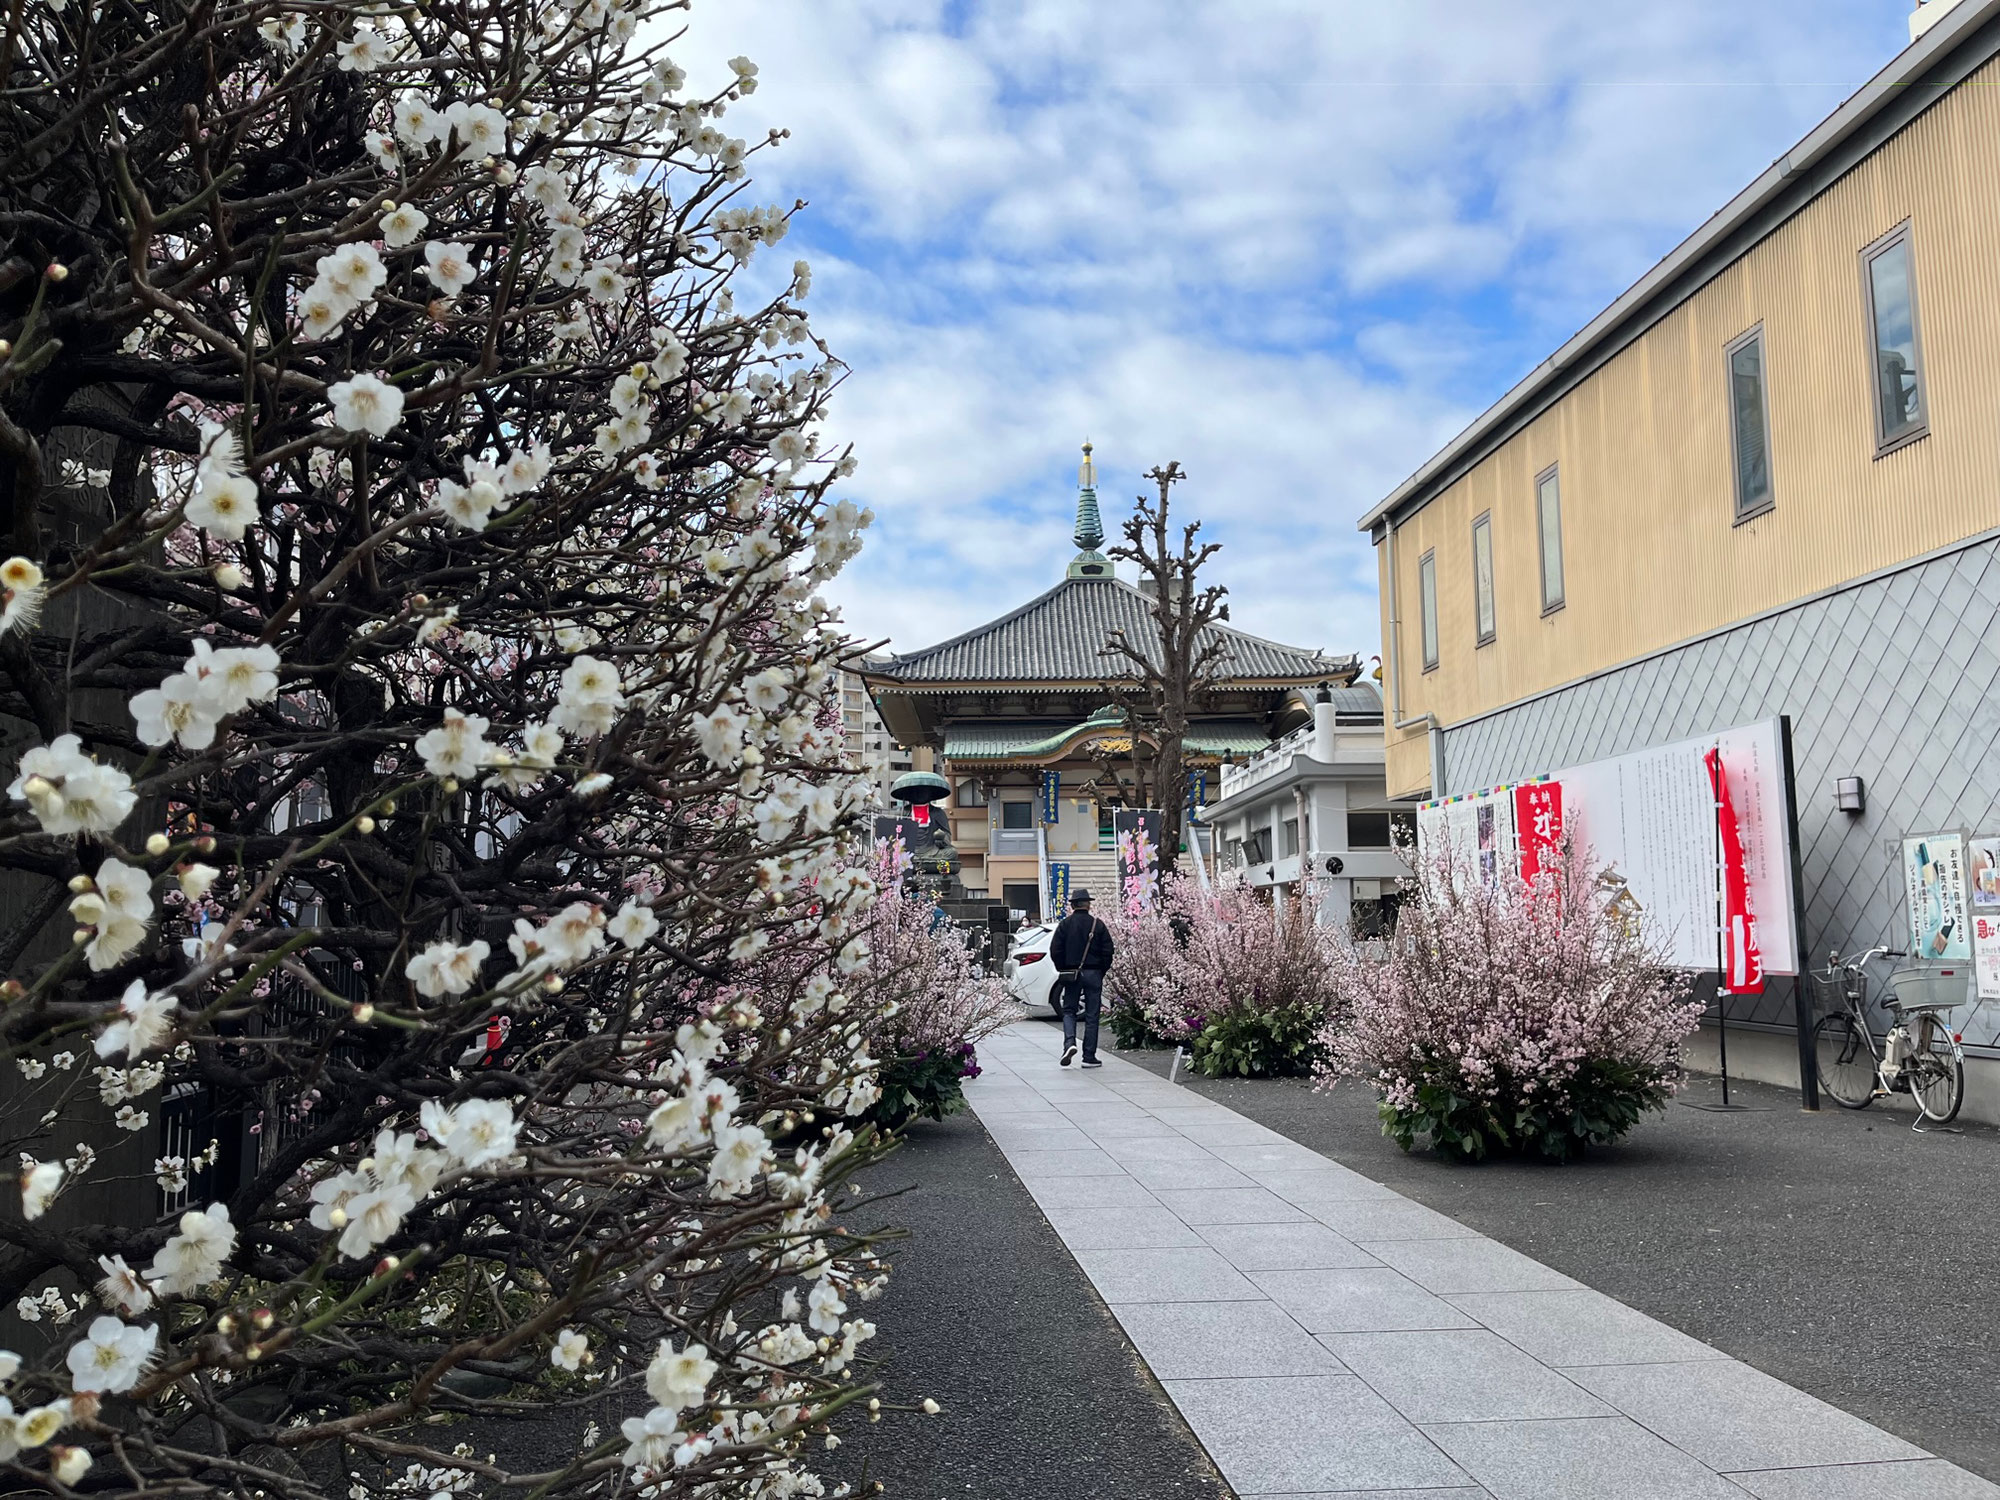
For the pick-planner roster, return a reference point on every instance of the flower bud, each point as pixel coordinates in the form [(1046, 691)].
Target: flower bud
[(449, 785), (226, 1326), (158, 843), (78, 884), (57, 271), (389, 808), (228, 577), (929, 1407), (364, 1012), (6, 348), (205, 844), (70, 1465), (12, 989), (364, 824), (337, 1217), (263, 1317)]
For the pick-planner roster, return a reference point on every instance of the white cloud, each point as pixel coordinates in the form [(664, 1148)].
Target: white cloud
[(1294, 245)]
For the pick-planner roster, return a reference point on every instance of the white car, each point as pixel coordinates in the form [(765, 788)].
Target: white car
[(1030, 976)]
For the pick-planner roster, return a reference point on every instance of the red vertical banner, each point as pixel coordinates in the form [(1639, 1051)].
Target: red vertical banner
[(1742, 961), (1538, 825), (920, 812)]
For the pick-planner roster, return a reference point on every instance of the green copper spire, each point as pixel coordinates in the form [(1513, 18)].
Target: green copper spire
[(1088, 562)]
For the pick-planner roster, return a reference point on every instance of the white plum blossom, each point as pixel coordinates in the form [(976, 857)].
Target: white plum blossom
[(651, 1439), (475, 1133), (68, 792), (480, 129), (364, 52), (403, 226), (144, 1021), (373, 1216), (633, 925), (116, 908), (589, 699), (457, 747), (739, 1156), (39, 1181), (571, 1350), (122, 1287), (111, 1356), (447, 968), (177, 710), (449, 266), (197, 1254), (21, 593), (365, 403), (679, 1379)]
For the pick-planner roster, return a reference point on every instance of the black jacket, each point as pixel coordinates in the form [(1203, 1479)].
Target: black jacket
[(1082, 941)]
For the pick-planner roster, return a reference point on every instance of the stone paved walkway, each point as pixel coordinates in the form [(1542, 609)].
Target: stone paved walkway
[(1325, 1336)]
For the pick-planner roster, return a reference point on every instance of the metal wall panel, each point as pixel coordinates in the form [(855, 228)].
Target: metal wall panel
[(1896, 680)]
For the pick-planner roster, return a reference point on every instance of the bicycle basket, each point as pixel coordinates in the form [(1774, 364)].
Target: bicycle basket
[(1832, 991), (1938, 988)]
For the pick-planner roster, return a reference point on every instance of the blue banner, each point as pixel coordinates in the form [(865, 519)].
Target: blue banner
[(1051, 796), (1197, 788), (1058, 890)]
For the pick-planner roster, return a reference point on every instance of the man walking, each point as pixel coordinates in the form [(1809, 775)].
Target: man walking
[(1081, 951)]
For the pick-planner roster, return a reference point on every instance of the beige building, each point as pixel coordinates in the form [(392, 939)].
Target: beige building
[(1766, 480)]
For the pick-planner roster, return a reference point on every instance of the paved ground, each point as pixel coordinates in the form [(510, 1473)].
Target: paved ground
[(1326, 1335), (1839, 1252), (988, 1314)]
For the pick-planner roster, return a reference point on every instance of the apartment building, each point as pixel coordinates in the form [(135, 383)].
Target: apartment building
[(869, 742), (1765, 480)]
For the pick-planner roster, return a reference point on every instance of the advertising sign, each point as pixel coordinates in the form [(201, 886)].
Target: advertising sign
[(1985, 892), (1538, 825), (1477, 827), (1934, 881), (1138, 834)]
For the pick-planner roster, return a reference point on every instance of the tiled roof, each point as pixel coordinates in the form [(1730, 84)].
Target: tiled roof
[(1359, 700), (1039, 741), (1060, 637)]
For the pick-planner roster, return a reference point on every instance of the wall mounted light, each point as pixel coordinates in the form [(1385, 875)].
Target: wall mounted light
[(1850, 795)]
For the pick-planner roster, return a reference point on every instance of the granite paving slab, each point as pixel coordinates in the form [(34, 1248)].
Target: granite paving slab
[(1324, 1336)]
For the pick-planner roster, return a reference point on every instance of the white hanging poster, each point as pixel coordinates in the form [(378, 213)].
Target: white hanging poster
[(1985, 892), (1934, 881)]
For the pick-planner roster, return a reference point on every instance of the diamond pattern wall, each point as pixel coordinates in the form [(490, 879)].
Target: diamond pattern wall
[(1896, 681)]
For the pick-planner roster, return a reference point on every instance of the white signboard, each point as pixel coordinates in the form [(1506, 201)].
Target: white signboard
[(1648, 820)]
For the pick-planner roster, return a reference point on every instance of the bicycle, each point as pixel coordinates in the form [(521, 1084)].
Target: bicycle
[(1921, 1053)]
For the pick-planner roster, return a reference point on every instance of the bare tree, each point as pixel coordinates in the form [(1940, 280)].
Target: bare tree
[(1174, 672)]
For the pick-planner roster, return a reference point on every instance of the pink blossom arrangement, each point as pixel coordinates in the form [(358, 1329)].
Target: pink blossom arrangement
[(1509, 1016), (1245, 983)]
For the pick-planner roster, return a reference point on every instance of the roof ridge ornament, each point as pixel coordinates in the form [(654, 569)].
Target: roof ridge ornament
[(1089, 562)]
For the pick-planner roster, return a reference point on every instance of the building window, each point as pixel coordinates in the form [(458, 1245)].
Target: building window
[(1427, 606), (1288, 838), (969, 794), (1482, 577), (1750, 425), (1889, 281), (1257, 846), (1017, 816), (1107, 828), (1549, 523), (1381, 830)]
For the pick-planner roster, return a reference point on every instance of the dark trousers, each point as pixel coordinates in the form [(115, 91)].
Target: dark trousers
[(1086, 992)]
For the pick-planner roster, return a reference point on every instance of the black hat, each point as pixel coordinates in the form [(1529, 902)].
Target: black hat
[(1079, 894)]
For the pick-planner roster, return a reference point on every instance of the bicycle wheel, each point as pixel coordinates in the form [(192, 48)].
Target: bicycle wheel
[(1937, 1082), (1846, 1061)]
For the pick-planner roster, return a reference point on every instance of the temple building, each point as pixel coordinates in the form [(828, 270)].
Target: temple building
[(1020, 716)]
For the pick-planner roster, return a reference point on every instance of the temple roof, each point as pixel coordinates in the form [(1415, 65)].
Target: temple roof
[(1061, 637), (1041, 742)]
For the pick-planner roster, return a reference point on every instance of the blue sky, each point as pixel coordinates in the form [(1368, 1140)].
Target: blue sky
[(1294, 245)]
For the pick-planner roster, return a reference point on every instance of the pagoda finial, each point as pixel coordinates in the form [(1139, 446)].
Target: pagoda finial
[(1088, 562)]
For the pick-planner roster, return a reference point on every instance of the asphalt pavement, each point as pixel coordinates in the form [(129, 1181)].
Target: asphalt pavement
[(1838, 1251), (989, 1315)]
